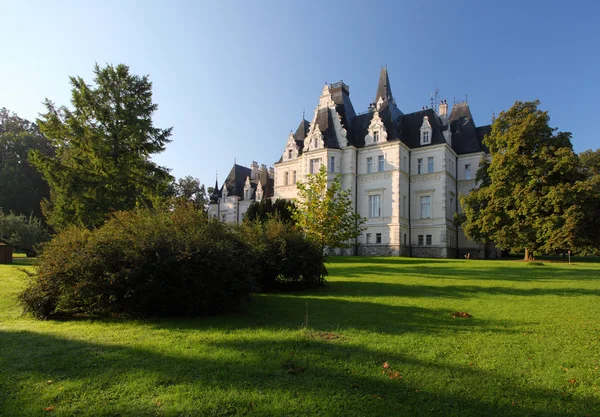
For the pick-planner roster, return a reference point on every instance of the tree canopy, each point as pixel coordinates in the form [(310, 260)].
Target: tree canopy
[(103, 149), (324, 212), (527, 198), (190, 190), (22, 187), (266, 209)]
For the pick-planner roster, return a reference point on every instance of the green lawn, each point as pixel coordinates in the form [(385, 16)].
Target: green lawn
[(531, 348)]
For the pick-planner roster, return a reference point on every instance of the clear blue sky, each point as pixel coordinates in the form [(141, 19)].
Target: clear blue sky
[(233, 77)]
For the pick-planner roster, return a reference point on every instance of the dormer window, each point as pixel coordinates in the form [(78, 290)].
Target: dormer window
[(376, 132), (290, 154), (426, 131)]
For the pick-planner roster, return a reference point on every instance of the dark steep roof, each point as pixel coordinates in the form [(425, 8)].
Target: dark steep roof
[(410, 128), (326, 126), (383, 86), (465, 138), (302, 131), (389, 114), (482, 132), (216, 194), (236, 180)]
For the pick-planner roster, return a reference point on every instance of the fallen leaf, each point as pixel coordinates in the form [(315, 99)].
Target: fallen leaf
[(386, 365), (49, 408)]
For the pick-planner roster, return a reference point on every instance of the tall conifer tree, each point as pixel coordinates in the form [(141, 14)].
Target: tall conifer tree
[(103, 149)]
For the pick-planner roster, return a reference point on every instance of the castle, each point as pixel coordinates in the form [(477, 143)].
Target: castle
[(405, 171)]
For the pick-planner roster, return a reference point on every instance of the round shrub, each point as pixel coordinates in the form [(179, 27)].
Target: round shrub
[(282, 256), (142, 262)]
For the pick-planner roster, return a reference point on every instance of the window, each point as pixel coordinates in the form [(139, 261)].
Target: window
[(368, 238), (375, 205), (315, 143), (369, 165), (428, 240), (294, 177), (404, 211), (381, 163), (420, 240), (286, 176), (420, 166), (377, 237), (289, 154), (430, 164), (376, 136), (332, 164), (425, 131), (425, 137), (468, 171), (426, 207), (404, 167), (223, 218), (315, 165), (404, 239)]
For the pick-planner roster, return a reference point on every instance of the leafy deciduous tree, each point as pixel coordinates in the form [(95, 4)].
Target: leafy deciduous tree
[(22, 188), (103, 149), (324, 211), (527, 198), (189, 189), (588, 192), (22, 232)]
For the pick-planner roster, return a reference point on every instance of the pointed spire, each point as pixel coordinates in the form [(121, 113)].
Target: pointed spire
[(384, 90), (215, 194)]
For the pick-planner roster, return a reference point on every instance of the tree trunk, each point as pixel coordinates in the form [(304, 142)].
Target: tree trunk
[(528, 255)]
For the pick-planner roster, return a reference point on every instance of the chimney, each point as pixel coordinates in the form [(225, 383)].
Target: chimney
[(443, 112), (254, 170), (263, 167), (271, 172)]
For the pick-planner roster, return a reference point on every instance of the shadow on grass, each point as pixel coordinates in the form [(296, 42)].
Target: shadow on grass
[(285, 312), (225, 377), (379, 289), (523, 272), (23, 261)]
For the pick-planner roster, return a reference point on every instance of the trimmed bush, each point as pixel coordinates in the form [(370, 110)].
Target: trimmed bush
[(144, 262), (283, 257)]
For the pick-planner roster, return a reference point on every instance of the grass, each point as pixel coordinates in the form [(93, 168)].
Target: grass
[(380, 341)]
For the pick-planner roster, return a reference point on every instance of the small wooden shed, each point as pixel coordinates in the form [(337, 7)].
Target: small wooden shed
[(6, 252)]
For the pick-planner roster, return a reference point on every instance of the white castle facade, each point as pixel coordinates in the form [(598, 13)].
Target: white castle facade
[(405, 172)]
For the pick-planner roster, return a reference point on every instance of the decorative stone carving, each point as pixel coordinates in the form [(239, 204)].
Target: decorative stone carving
[(259, 192), (376, 132), (339, 129), (426, 131), (314, 140), (247, 189), (290, 146)]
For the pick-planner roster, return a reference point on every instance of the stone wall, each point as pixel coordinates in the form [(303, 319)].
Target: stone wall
[(429, 252), (379, 250)]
